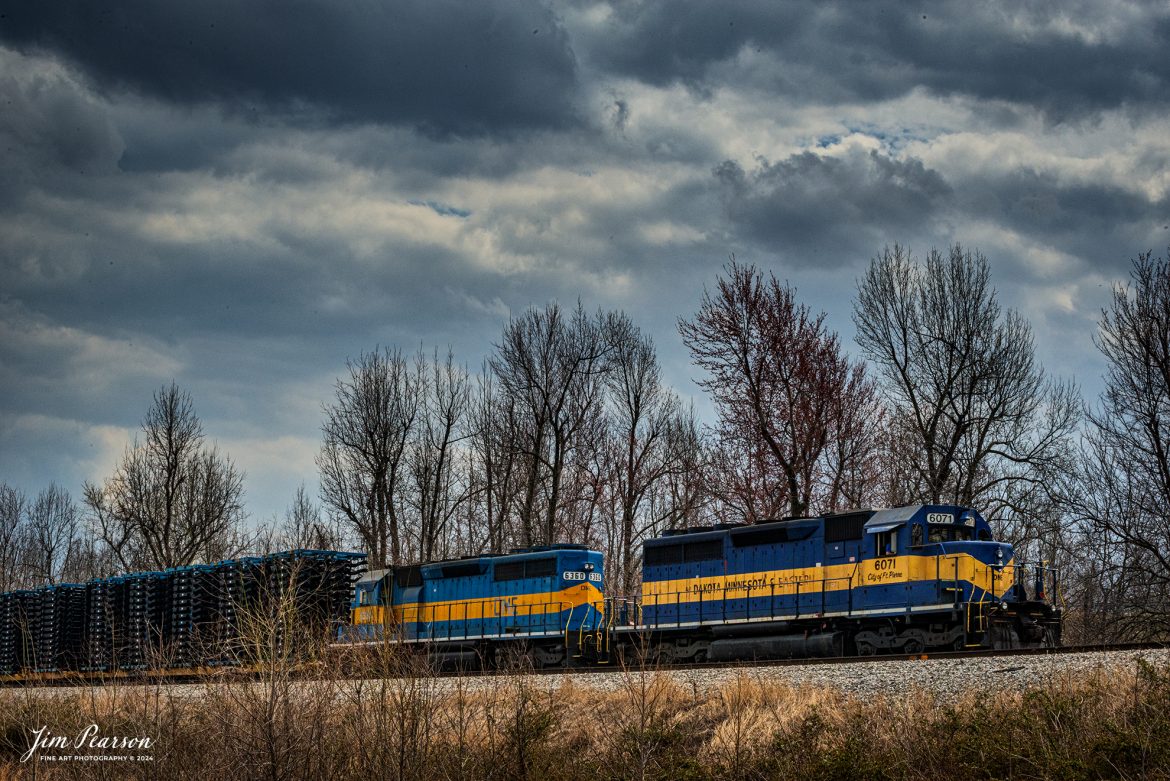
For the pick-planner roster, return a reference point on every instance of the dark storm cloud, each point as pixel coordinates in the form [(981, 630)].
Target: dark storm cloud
[(440, 65), (225, 314), (228, 289), (52, 130), (1100, 222), (1042, 205), (841, 52), (815, 209), (239, 196), (663, 42)]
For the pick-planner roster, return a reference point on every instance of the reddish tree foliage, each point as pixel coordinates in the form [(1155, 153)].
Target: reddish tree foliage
[(798, 419)]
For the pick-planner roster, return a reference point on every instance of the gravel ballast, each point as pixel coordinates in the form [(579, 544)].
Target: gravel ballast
[(942, 676)]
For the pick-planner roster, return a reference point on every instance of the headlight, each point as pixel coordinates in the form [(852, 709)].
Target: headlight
[(999, 553)]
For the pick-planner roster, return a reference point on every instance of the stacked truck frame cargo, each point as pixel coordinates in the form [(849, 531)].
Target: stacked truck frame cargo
[(176, 619)]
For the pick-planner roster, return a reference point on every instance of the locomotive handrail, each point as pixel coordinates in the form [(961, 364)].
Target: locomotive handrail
[(727, 597), (974, 587), (569, 624), (528, 619), (852, 575)]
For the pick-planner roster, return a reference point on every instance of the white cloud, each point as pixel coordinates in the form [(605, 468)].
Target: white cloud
[(665, 233), (40, 352), (1130, 154), (47, 448)]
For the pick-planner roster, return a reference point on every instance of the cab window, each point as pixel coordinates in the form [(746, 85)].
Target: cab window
[(950, 533), (887, 543), (916, 535)]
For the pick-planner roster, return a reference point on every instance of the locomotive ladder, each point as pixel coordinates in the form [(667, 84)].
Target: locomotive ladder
[(977, 618), (974, 612)]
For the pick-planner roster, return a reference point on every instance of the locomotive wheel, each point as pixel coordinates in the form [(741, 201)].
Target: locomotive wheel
[(865, 649), (913, 646)]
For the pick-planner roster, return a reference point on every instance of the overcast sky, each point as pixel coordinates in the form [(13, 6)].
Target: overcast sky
[(240, 194)]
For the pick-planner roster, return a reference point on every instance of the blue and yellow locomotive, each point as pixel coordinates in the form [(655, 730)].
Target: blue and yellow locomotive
[(538, 601), (897, 580)]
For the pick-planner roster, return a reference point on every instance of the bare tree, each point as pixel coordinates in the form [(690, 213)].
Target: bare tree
[(587, 482), (51, 535), (440, 485), (303, 527), (856, 453), (363, 456), (1124, 496), (780, 381), (550, 365), (643, 414), (979, 422), (172, 501), (684, 497), (498, 462), (12, 507)]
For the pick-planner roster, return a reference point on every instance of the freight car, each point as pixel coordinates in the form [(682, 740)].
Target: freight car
[(476, 610), (177, 619), (901, 580)]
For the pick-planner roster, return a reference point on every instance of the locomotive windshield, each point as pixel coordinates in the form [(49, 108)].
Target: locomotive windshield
[(951, 533)]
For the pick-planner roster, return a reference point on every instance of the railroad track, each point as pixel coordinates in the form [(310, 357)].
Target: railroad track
[(187, 676), (839, 660)]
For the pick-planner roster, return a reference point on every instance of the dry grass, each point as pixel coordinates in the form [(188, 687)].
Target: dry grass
[(407, 724)]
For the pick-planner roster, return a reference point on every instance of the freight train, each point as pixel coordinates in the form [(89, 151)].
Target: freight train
[(900, 580)]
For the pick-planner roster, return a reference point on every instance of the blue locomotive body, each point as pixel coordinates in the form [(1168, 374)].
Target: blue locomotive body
[(903, 579)]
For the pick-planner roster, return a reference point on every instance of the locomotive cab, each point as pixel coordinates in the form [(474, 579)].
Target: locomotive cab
[(929, 529), (960, 587), (367, 610), (1005, 602), (961, 540)]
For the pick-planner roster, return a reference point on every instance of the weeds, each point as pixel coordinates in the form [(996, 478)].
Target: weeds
[(398, 720)]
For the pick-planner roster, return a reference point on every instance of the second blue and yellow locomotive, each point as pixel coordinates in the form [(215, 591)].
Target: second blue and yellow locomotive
[(538, 601)]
